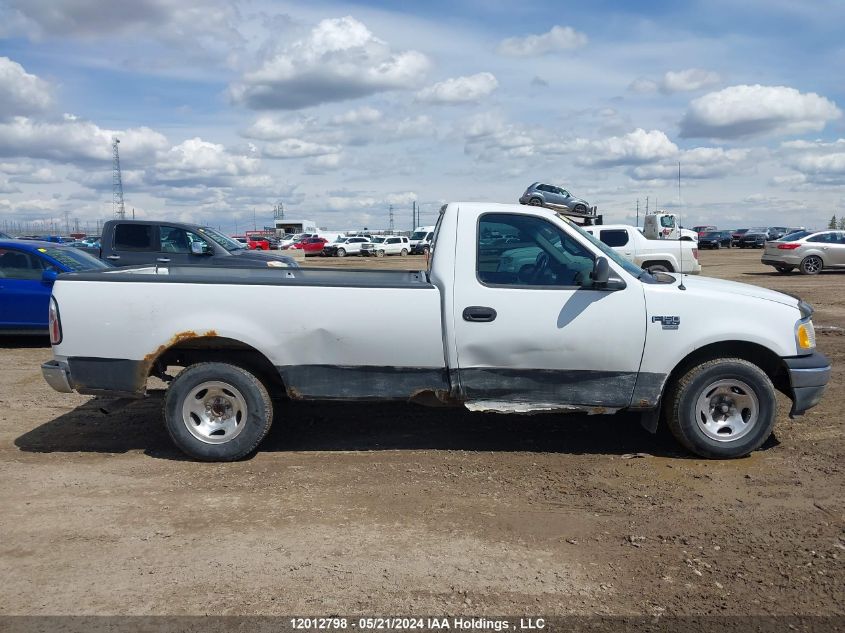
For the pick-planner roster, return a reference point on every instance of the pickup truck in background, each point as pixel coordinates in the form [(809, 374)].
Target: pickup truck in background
[(138, 242), (579, 329), (668, 256)]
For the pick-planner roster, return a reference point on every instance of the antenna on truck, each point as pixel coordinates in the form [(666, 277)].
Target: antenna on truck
[(680, 234)]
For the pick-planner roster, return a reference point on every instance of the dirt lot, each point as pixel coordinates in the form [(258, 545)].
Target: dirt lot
[(398, 509)]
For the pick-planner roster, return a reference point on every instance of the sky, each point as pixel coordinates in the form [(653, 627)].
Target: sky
[(340, 110)]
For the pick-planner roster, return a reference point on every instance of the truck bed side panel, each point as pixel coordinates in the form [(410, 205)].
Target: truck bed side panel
[(327, 342)]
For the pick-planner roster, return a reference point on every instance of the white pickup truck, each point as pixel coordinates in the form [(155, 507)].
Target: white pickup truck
[(668, 256), (579, 329)]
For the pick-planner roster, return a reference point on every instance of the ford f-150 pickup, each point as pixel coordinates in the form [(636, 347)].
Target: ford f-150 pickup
[(520, 311)]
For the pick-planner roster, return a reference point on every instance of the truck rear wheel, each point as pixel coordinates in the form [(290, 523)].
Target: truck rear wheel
[(217, 412), (722, 409)]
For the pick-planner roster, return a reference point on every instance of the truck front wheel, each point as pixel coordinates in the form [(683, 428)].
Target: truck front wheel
[(217, 412), (722, 409)]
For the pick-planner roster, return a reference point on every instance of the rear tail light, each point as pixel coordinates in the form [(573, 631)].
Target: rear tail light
[(695, 253), (788, 247), (55, 323)]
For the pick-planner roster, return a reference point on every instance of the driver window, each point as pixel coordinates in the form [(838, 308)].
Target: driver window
[(524, 250)]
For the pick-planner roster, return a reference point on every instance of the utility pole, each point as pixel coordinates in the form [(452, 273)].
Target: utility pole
[(646, 205), (254, 225), (390, 221), (413, 215), (638, 214), (117, 182)]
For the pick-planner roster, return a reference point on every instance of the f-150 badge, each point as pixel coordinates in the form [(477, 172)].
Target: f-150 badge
[(668, 322)]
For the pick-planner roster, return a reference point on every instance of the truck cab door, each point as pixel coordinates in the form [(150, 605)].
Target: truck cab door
[(132, 244), (531, 333)]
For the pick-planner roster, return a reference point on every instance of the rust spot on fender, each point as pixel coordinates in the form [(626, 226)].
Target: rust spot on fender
[(294, 394), (174, 340)]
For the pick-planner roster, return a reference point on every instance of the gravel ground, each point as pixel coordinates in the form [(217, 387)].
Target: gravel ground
[(399, 509)]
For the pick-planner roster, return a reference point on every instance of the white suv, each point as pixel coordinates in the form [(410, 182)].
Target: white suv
[(344, 246), (387, 245)]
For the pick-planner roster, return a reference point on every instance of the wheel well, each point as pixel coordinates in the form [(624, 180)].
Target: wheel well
[(206, 349), (764, 358), (660, 262)]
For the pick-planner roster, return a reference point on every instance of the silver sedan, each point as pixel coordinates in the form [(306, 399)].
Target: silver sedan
[(808, 251)]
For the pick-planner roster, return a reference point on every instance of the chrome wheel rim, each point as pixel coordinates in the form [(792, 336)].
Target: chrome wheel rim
[(214, 412), (727, 410), (812, 264), (534, 202)]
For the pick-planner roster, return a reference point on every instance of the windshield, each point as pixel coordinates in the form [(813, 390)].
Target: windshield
[(418, 235), (377, 240), (74, 259), (223, 240), (712, 234), (797, 235), (630, 268)]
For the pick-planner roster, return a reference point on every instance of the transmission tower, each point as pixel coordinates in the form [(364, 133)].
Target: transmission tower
[(390, 221), (117, 183)]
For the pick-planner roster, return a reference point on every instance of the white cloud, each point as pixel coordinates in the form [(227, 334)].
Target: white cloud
[(559, 38), (198, 162), (643, 85), (364, 115), (323, 164), (268, 128), (297, 148), (20, 92), (459, 89), (817, 162), (742, 111), (698, 163), (689, 80), (339, 60), (639, 146), (73, 140)]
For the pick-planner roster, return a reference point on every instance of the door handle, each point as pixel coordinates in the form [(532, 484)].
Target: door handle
[(163, 260), (479, 314), (113, 257)]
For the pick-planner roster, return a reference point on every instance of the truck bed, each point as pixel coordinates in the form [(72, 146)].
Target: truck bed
[(329, 333)]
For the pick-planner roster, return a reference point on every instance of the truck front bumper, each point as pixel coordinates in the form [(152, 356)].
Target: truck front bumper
[(808, 377), (57, 375)]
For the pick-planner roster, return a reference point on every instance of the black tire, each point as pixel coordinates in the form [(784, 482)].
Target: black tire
[(403, 252), (579, 208), (784, 269), (341, 252), (535, 202), (685, 419), (380, 253), (425, 250), (811, 265), (658, 268), (718, 246), (249, 430)]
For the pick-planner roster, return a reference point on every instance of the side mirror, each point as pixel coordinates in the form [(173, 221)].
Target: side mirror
[(198, 248), (601, 272), (49, 276)]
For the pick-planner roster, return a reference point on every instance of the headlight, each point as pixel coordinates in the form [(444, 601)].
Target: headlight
[(805, 334)]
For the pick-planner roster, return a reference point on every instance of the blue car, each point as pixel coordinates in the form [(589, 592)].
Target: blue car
[(27, 272)]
